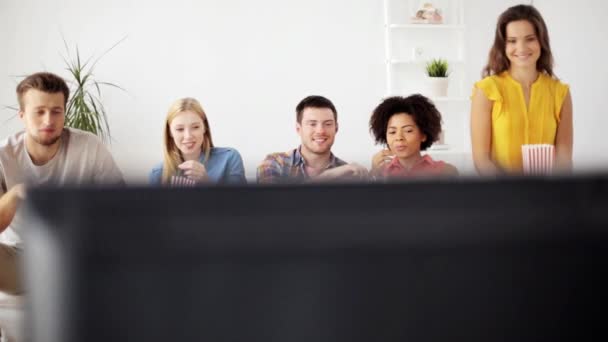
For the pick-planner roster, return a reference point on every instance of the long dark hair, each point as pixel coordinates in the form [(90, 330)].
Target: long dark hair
[(497, 59)]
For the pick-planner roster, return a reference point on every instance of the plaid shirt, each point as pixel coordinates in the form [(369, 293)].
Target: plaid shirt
[(288, 167)]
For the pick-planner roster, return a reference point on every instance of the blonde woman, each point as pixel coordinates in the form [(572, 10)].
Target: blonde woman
[(189, 154)]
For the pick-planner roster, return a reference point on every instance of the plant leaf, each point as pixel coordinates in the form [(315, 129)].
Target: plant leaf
[(108, 50), (85, 110)]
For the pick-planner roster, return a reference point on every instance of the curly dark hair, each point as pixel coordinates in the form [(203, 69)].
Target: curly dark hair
[(423, 111)]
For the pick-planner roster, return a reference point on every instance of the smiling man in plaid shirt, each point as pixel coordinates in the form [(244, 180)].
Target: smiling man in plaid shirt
[(317, 125)]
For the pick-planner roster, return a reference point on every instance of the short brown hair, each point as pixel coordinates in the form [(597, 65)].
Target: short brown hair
[(421, 109), (314, 101), (497, 59), (43, 81)]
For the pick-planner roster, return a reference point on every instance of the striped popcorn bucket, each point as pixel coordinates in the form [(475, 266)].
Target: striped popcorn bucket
[(538, 159), (181, 181)]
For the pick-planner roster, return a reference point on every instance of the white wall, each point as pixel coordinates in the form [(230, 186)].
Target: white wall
[(578, 39), (249, 63)]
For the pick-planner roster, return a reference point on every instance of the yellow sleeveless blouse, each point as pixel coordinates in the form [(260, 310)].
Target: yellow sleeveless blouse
[(514, 124)]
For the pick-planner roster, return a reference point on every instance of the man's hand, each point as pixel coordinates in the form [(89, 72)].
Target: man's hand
[(9, 202), (19, 191), (349, 171)]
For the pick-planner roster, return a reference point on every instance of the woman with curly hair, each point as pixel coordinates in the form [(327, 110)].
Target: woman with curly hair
[(407, 126)]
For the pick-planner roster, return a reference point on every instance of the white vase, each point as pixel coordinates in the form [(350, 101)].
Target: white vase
[(437, 86)]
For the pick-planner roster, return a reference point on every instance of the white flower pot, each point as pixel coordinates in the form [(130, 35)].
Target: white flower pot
[(437, 86)]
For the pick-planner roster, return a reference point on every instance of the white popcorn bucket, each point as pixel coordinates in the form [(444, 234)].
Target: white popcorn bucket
[(180, 181), (538, 159)]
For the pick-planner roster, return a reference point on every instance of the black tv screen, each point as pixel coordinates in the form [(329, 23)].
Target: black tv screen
[(471, 260)]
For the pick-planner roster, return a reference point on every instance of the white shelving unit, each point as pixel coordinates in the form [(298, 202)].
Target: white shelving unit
[(427, 26), (408, 46)]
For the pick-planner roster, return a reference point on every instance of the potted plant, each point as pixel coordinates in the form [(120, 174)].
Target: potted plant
[(84, 109), (437, 74)]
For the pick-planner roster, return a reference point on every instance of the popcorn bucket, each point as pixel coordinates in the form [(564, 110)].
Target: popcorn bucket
[(181, 181), (538, 159)]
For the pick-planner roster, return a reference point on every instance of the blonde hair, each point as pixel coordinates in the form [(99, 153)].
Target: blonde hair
[(172, 156)]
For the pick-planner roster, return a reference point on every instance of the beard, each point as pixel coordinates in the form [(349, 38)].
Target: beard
[(47, 142)]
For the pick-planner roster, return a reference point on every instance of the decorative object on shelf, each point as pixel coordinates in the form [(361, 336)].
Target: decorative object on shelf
[(427, 14), (417, 53), (437, 72)]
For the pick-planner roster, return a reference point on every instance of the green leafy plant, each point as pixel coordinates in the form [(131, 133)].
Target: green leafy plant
[(85, 109), (437, 68)]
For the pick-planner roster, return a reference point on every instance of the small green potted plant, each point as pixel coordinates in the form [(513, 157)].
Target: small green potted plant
[(437, 74)]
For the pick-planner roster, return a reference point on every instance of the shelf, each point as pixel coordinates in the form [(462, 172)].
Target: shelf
[(421, 62), (450, 99), (439, 147), (409, 46), (443, 99), (447, 151), (427, 26), (444, 149)]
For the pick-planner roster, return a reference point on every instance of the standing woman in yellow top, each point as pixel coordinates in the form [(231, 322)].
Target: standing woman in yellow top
[(520, 101)]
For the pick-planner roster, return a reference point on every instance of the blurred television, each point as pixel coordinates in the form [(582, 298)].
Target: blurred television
[(520, 259)]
